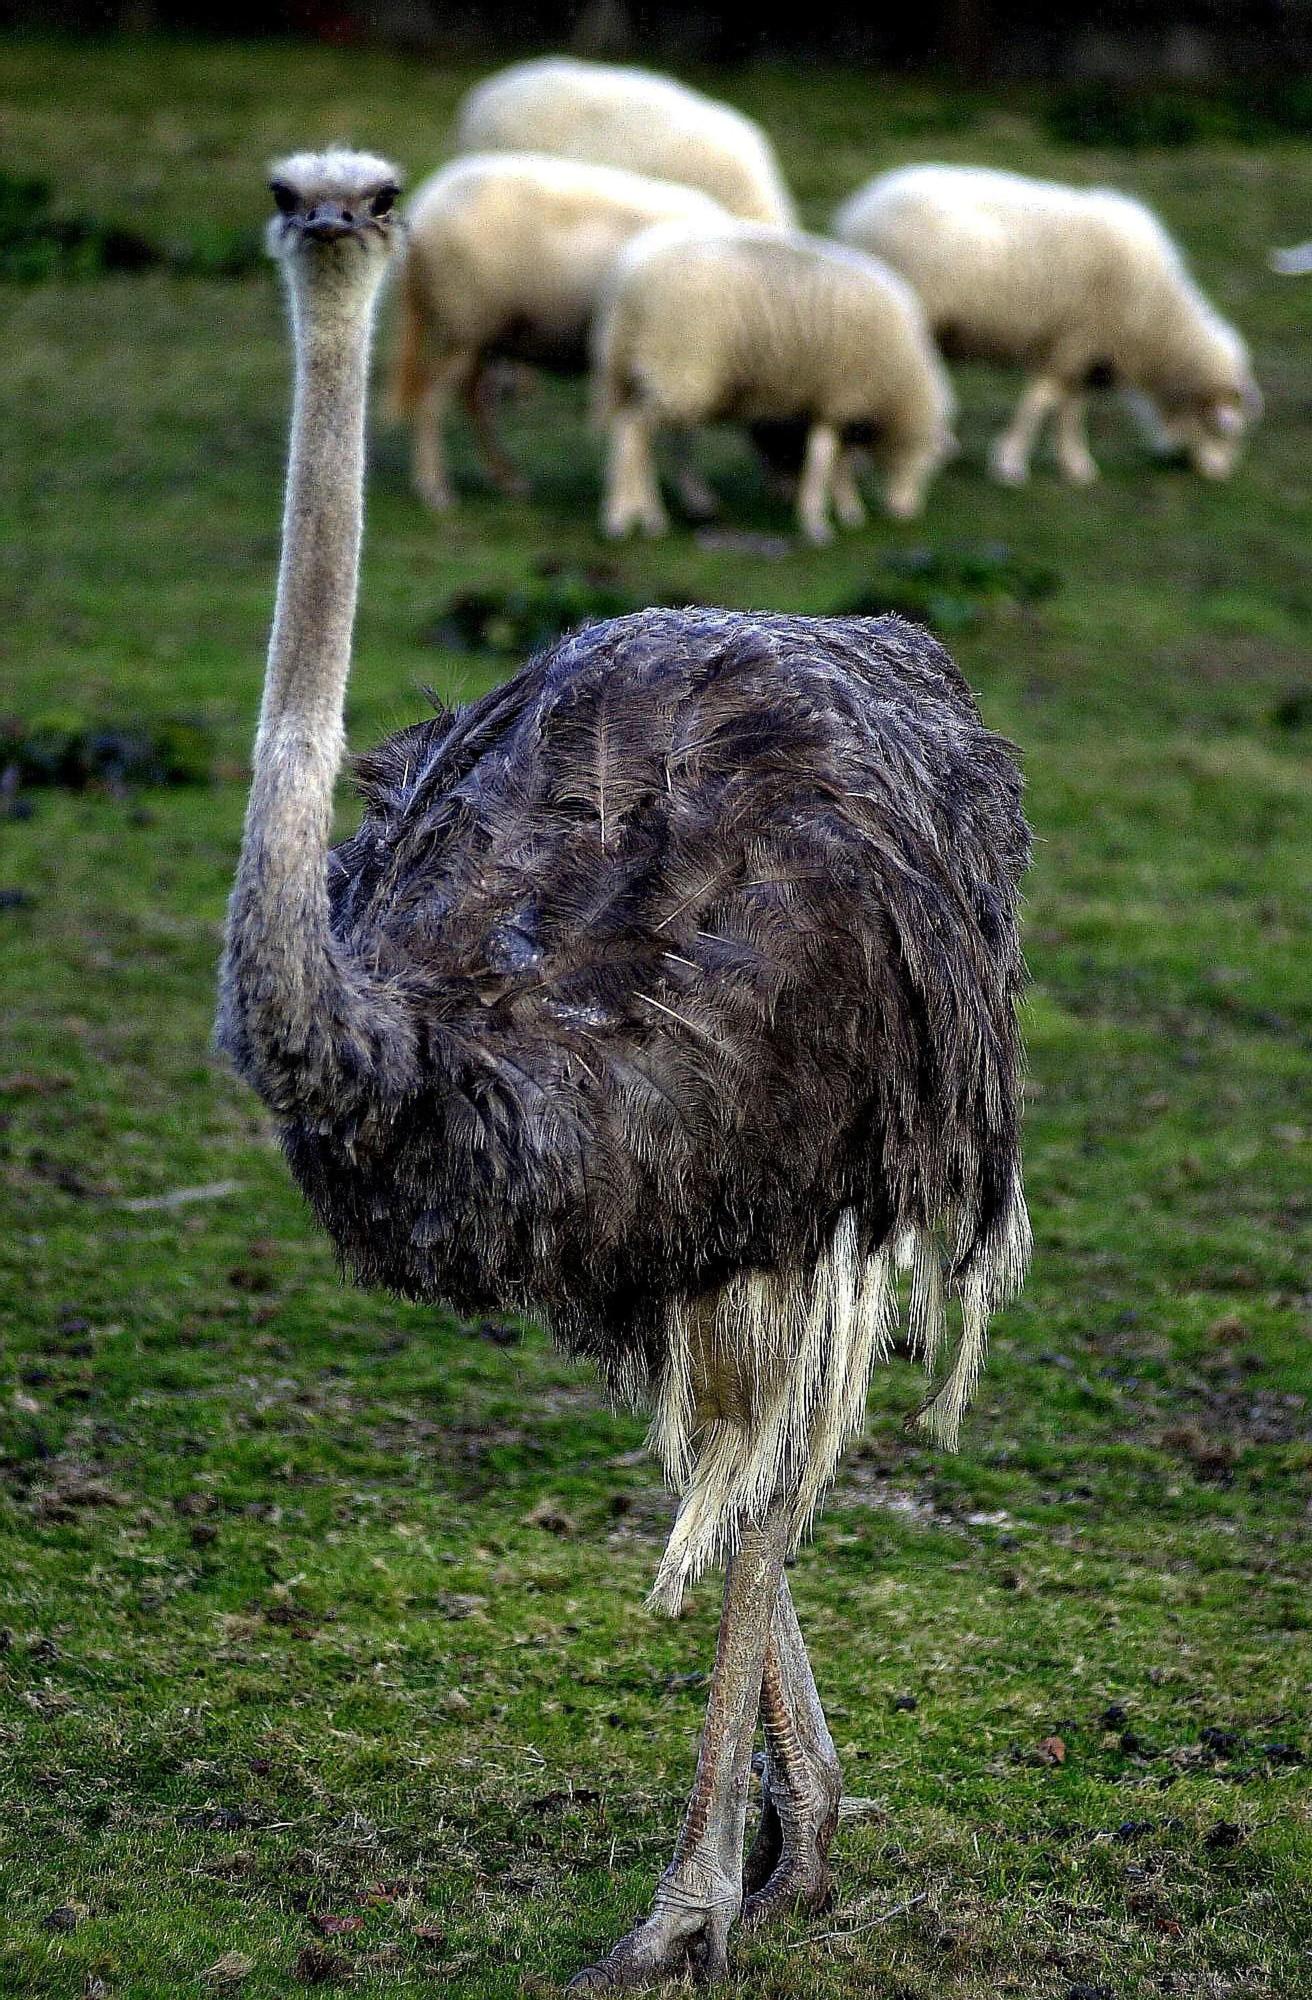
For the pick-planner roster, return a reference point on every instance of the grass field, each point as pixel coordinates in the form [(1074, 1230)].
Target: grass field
[(323, 1655)]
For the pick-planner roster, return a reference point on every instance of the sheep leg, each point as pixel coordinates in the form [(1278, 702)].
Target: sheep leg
[(1009, 460), (1161, 438), (822, 451), (480, 397), (700, 1893), (909, 472), (633, 497), (432, 480), (848, 504), (697, 498), (1074, 458), (801, 1783)]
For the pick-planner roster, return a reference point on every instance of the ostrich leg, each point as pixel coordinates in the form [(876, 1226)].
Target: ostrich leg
[(802, 1780), (701, 1891)]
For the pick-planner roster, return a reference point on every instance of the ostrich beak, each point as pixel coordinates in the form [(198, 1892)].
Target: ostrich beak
[(328, 221)]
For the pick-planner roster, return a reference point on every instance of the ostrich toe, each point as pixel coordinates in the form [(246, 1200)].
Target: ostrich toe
[(787, 1867), (684, 1935)]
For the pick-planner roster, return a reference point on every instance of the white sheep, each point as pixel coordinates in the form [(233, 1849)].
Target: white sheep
[(505, 257), (630, 118), (1082, 287), (743, 322)]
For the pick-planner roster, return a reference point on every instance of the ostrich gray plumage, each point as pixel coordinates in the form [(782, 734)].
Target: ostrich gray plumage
[(669, 992), (703, 932)]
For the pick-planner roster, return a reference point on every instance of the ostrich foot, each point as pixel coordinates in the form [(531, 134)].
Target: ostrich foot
[(701, 1892), (686, 1934), (801, 1782), (788, 1866)]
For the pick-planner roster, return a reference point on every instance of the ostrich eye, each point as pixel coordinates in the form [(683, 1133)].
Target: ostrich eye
[(383, 201), (284, 197)]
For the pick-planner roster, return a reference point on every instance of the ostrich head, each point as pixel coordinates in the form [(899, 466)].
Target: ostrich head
[(336, 221)]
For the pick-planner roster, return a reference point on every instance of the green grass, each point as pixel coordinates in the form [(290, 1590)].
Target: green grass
[(316, 1606)]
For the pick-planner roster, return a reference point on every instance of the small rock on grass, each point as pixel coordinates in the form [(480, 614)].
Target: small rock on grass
[(551, 1517), (229, 1970)]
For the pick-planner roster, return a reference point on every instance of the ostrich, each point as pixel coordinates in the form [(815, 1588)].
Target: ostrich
[(668, 992)]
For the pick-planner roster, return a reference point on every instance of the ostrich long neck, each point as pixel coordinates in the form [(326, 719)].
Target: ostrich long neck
[(313, 619), (303, 1018)]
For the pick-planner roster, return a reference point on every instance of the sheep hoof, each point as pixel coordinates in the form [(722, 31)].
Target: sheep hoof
[(1007, 469), (1079, 471), (437, 497), (696, 499), (903, 506)]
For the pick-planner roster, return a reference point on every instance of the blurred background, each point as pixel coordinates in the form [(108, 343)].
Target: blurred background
[(988, 39), (322, 1656)]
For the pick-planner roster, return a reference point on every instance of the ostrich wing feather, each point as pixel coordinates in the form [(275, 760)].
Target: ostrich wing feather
[(708, 926)]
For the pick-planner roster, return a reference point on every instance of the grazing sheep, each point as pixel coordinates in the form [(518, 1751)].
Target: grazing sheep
[(751, 324), (1292, 263), (505, 257), (1082, 287), (631, 118)]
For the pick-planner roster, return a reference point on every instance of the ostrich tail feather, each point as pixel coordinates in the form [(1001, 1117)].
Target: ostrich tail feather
[(765, 1383), (996, 1270), (762, 1388)]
